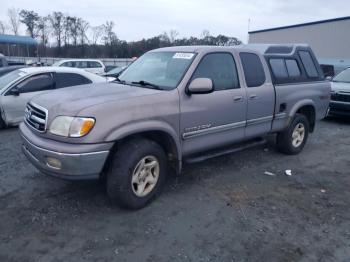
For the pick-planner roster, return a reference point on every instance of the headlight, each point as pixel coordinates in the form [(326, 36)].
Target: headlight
[(68, 126)]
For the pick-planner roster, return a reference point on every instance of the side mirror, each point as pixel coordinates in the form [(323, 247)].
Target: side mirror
[(201, 86), (14, 91)]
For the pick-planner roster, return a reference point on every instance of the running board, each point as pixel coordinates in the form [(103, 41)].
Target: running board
[(226, 150)]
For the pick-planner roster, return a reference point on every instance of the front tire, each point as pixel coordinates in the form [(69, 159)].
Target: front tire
[(293, 139), (137, 173)]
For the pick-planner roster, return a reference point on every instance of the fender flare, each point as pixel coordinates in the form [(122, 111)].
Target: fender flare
[(300, 104), (145, 126)]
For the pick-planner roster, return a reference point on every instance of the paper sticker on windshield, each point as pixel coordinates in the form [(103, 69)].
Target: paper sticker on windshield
[(183, 55)]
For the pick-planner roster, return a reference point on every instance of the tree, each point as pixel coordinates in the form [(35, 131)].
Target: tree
[(83, 26), (205, 34), (173, 34), (73, 26), (30, 19), (56, 20), (43, 29), (13, 20), (97, 33), (109, 35), (2, 27)]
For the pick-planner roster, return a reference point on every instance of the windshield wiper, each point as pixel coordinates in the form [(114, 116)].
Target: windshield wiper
[(145, 83)]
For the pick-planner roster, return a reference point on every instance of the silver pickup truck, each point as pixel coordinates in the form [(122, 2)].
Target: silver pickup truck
[(173, 105)]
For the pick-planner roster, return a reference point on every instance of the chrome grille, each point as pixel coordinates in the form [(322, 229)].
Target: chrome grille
[(35, 116)]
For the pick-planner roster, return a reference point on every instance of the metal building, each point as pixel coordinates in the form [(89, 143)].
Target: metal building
[(329, 39)]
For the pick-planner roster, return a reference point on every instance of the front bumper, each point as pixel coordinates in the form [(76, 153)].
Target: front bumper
[(72, 166), (339, 108)]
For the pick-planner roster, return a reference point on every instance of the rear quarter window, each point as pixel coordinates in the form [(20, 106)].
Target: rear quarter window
[(308, 64), (253, 69)]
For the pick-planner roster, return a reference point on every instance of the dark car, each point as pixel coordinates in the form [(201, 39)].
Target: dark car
[(340, 94)]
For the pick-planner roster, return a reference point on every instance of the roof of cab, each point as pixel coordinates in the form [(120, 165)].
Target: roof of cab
[(262, 48)]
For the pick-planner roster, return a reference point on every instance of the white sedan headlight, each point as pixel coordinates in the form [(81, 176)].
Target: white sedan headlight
[(68, 126)]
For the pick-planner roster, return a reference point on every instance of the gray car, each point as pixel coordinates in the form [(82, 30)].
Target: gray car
[(20, 86), (173, 105), (340, 99)]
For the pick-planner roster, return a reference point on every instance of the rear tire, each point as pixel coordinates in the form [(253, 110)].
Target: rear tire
[(293, 139), (137, 173)]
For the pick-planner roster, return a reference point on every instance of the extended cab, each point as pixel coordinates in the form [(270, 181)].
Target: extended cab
[(172, 105)]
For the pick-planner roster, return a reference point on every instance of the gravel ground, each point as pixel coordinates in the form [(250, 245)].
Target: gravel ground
[(224, 209)]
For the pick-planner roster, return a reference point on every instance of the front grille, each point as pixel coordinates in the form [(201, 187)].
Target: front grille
[(340, 97), (35, 116)]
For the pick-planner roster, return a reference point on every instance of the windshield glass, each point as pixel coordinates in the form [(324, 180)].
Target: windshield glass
[(163, 69), (8, 78), (343, 76)]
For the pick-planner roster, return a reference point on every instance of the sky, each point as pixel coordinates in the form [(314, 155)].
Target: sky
[(139, 19)]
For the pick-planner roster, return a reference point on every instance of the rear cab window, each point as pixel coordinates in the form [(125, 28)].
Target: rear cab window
[(253, 69)]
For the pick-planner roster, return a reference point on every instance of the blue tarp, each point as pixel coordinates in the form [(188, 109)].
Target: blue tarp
[(16, 39)]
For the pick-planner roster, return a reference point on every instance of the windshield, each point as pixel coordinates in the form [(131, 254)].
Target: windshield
[(162, 69), (343, 76), (8, 78)]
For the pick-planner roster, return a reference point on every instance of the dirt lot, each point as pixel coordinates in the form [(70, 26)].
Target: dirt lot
[(225, 209)]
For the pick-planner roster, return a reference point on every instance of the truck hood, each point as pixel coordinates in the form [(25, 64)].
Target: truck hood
[(341, 87), (70, 101)]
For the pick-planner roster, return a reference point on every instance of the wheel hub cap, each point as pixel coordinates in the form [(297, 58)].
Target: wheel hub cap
[(145, 176), (298, 135)]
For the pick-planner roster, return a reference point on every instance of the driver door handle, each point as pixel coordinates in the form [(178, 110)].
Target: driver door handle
[(251, 97)]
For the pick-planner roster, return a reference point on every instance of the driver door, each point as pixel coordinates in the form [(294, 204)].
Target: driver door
[(15, 99), (218, 118)]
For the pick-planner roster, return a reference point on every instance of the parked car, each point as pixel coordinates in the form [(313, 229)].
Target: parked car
[(8, 69), (19, 86), (116, 72), (340, 94), (91, 65), (173, 105), (110, 67)]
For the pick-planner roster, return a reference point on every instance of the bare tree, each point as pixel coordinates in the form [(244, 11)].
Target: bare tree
[(83, 26), (169, 37), (66, 30), (109, 35), (57, 23), (13, 20), (205, 34), (173, 34), (30, 19), (43, 29), (97, 33), (73, 26), (2, 27)]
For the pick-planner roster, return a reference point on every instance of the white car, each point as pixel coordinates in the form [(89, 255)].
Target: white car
[(18, 87), (91, 65)]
